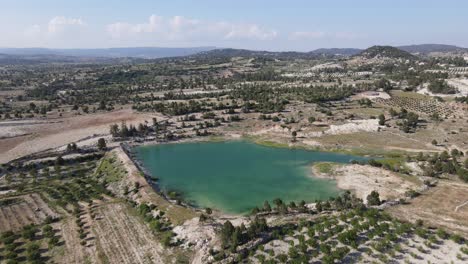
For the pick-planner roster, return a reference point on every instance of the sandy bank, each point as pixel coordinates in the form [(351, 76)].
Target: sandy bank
[(363, 179)]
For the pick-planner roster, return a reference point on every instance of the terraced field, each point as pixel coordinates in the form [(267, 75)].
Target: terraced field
[(20, 211), (421, 106), (123, 237)]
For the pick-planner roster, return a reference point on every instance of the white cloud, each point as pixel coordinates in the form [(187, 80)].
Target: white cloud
[(182, 28), (250, 32), (59, 24)]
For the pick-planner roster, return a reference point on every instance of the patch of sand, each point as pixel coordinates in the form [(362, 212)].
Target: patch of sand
[(363, 179), (371, 95), (366, 125), (353, 126), (197, 236), (461, 85)]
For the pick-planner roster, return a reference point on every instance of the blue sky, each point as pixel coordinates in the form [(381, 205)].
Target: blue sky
[(254, 24)]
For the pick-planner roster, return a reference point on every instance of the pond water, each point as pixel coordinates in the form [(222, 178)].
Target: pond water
[(236, 176)]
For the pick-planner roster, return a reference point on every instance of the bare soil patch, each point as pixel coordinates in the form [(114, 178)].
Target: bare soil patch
[(363, 179), (58, 132), (23, 210), (123, 237), (440, 206)]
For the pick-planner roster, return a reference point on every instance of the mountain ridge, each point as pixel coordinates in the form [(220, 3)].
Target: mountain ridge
[(135, 52)]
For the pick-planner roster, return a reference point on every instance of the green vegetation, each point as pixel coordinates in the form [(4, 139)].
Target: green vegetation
[(109, 170), (327, 238), (324, 167)]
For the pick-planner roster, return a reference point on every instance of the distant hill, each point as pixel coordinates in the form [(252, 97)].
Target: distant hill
[(428, 48), (229, 53), (8, 59), (315, 54), (138, 52), (145, 54), (337, 51), (35, 59), (385, 52)]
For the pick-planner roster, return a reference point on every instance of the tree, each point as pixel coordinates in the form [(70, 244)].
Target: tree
[(384, 84), (166, 239), (255, 210), (114, 130), (444, 156), (48, 231), (124, 130), (226, 232), (53, 241), (59, 161), (202, 218), (101, 144), (381, 119), (393, 113), (102, 105), (373, 198), (434, 142), (277, 202), (32, 252), (318, 206), (294, 135), (311, 119), (266, 206)]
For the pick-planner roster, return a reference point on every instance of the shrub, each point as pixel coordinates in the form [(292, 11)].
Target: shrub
[(373, 198)]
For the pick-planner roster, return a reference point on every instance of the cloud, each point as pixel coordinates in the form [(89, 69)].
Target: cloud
[(59, 24), (61, 31), (182, 28), (250, 32)]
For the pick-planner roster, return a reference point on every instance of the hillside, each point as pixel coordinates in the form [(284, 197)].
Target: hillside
[(385, 52), (315, 54), (428, 48)]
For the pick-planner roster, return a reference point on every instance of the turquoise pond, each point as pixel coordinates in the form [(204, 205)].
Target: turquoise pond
[(236, 176)]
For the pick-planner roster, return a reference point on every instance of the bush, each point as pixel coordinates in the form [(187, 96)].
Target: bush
[(457, 238), (373, 198), (48, 231), (167, 238)]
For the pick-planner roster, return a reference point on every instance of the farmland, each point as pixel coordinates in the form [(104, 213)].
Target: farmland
[(72, 189), (24, 210)]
